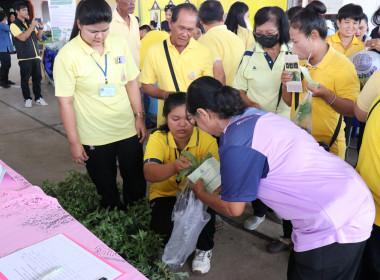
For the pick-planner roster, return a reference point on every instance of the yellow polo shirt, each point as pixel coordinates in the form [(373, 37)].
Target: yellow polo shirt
[(161, 148), (355, 46), (193, 62), (225, 46), (337, 73), (246, 36), (369, 157), (99, 120), (15, 30), (150, 39), (260, 82), (131, 33)]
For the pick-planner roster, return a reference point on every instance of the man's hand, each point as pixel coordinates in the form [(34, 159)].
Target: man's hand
[(34, 23), (41, 25)]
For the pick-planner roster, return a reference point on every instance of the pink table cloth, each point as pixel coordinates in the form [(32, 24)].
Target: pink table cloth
[(28, 216)]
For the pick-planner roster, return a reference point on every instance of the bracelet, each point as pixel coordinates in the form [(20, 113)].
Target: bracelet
[(140, 114), (332, 102)]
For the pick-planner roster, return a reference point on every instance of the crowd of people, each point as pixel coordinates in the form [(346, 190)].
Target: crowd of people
[(222, 89)]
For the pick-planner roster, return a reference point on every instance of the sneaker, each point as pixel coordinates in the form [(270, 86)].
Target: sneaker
[(201, 262), (40, 101), (253, 222), (28, 103), (10, 82)]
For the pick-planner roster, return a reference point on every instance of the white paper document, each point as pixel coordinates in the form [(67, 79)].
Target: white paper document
[(209, 171), (292, 66), (37, 261)]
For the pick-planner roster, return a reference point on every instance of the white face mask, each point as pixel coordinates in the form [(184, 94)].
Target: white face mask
[(248, 24)]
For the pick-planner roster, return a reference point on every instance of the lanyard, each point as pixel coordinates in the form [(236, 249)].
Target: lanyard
[(104, 71)]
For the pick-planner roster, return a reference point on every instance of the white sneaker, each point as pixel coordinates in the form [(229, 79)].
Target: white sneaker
[(28, 103), (253, 222), (201, 262), (40, 101)]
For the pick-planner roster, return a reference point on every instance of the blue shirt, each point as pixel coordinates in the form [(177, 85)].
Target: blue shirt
[(5, 39)]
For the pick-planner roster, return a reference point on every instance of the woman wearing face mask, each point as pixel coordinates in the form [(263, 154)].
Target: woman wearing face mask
[(237, 22), (338, 83), (258, 80)]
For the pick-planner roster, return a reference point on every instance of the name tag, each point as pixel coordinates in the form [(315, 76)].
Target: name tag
[(107, 91), (120, 59)]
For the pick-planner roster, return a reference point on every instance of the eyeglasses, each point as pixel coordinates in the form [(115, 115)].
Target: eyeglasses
[(266, 33)]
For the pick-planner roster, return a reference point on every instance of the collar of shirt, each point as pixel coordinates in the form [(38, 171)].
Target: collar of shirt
[(327, 59), (218, 27), (335, 38), (118, 17), (191, 45), (193, 142), (90, 50)]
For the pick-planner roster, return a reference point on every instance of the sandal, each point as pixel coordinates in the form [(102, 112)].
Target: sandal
[(218, 222)]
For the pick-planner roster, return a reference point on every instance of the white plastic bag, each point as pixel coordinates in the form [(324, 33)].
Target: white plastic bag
[(303, 115), (190, 217)]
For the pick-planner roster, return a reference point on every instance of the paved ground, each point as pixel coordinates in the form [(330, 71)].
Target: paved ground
[(33, 142)]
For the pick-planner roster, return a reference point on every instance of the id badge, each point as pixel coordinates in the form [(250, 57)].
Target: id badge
[(107, 90)]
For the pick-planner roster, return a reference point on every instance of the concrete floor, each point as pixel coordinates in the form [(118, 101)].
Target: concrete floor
[(33, 142)]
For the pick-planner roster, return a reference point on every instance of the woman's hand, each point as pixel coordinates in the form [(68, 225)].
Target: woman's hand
[(373, 44), (140, 128), (181, 163), (199, 188), (286, 76), (254, 105), (78, 153)]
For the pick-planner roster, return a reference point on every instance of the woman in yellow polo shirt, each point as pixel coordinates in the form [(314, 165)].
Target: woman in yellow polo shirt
[(338, 83), (237, 22), (163, 162), (96, 84)]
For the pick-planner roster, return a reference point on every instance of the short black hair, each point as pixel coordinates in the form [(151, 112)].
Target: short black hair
[(293, 11), (153, 23), (184, 6), (200, 26), (2, 16), (309, 19), (91, 12), (174, 100), (19, 5), (281, 20), (209, 94), (165, 26), (235, 16), (145, 27), (376, 18), (350, 11), (169, 7), (211, 11)]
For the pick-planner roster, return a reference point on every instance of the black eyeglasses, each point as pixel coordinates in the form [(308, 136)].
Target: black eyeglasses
[(266, 33)]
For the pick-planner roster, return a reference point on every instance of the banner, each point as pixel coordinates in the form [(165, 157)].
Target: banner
[(62, 14)]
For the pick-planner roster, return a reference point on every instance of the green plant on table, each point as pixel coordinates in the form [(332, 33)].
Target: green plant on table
[(126, 232)]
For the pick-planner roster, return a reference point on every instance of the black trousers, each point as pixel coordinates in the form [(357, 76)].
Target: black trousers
[(370, 266), (30, 68), (332, 262), (161, 223), (259, 208), (5, 60), (101, 166), (287, 227)]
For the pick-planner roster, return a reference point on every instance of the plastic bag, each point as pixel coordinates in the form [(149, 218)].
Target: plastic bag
[(303, 115), (189, 217)]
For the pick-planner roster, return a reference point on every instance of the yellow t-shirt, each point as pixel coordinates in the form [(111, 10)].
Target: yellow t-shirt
[(225, 46), (131, 33), (99, 120), (369, 157), (161, 148), (260, 82), (15, 30), (337, 73), (355, 46), (193, 62), (151, 38), (246, 36)]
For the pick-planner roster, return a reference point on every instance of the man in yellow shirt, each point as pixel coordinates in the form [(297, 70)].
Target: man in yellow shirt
[(226, 47), (26, 33), (190, 59), (344, 40), (125, 24)]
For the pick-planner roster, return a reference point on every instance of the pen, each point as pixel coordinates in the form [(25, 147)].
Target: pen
[(51, 273)]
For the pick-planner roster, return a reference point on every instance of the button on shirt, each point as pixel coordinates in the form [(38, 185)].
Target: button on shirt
[(5, 39), (323, 196)]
